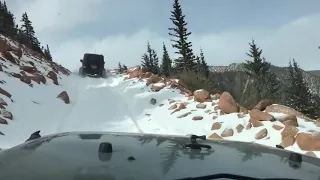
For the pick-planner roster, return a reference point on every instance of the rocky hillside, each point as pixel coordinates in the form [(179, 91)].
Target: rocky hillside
[(232, 78)]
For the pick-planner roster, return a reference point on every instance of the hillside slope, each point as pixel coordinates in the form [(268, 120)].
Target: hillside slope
[(37, 94)]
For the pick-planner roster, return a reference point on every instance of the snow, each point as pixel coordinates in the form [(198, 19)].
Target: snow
[(115, 104)]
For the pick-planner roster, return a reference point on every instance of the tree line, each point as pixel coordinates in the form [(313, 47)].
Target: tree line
[(195, 73), (24, 34)]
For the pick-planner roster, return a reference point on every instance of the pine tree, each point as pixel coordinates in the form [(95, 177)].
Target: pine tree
[(155, 59), (166, 62), (7, 21), (150, 61), (204, 66), (124, 67), (28, 34), (265, 81), (298, 95), (120, 67), (47, 53), (27, 29), (180, 34)]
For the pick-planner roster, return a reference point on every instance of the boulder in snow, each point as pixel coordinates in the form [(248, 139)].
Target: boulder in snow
[(201, 95), (262, 105), (64, 96), (227, 103), (153, 101)]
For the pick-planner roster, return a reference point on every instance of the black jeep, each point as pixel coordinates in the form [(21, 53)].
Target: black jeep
[(93, 65)]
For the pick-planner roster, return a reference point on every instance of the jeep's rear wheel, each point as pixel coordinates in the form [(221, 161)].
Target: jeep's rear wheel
[(81, 72), (104, 73)]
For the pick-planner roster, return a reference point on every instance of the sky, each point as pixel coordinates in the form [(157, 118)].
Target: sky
[(120, 29)]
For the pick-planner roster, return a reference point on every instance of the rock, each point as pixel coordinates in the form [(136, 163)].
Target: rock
[(4, 92), (308, 142), (287, 141), (289, 131), (157, 87), (3, 102), (260, 115), (239, 128), (53, 76), (263, 104), (29, 69), (201, 106), (154, 79), (64, 96), (26, 79), (277, 127), (197, 118), (153, 101), (216, 126), (38, 78), (171, 101), (227, 132), (184, 115), (135, 72), (240, 115), (35, 135), (227, 104), (214, 136), (277, 108), (4, 46), (262, 134), (249, 126), (174, 106), (6, 114), (214, 117), (3, 121), (201, 95), (255, 123), (289, 120), (310, 153)]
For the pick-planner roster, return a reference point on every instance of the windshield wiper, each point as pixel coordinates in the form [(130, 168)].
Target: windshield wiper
[(231, 176)]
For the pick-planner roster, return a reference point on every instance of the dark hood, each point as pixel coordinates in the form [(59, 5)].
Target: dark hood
[(75, 156)]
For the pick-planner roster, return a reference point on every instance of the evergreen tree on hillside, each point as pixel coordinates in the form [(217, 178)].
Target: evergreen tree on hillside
[(28, 34), (47, 53), (27, 30), (150, 61), (198, 64), (120, 67), (166, 62), (180, 34), (298, 95), (265, 81), (204, 66), (8, 26), (124, 67)]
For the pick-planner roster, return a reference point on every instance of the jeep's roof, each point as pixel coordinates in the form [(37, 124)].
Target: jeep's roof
[(93, 57), (71, 156)]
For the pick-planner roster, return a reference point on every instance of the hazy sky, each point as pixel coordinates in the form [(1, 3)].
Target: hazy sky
[(120, 29)]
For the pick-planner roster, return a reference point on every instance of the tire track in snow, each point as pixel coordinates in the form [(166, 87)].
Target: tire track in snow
[(98, 107)]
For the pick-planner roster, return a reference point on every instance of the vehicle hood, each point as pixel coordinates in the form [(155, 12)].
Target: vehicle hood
[(76, 156)]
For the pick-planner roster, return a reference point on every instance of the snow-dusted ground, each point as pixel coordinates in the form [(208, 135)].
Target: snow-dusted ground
[(115, 104)]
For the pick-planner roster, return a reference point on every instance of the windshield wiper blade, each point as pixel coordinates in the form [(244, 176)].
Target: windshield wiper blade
[(231, 176)]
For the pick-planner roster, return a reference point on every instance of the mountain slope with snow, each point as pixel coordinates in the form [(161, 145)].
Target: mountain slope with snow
[(40, 95)]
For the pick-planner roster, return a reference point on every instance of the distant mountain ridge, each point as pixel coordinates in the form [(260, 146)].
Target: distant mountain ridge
[(233, 78)]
